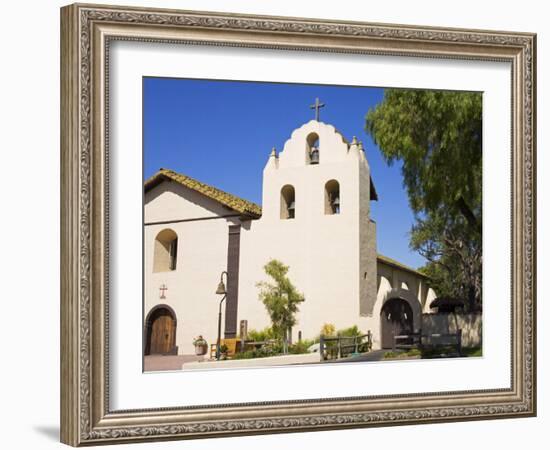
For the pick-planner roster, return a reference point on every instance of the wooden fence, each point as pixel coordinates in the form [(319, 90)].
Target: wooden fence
[(335, 347), (429, 341)]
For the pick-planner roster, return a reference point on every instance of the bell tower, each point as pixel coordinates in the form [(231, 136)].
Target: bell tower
[(316, 201)]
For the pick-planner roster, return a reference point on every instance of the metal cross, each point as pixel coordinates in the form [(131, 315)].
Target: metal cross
[(163, 288), (318, 105)]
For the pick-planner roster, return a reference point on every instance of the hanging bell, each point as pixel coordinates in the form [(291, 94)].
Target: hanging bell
[(336, 205), (291, 210), (314, 156)]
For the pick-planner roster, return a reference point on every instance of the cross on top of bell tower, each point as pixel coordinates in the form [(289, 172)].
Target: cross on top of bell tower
[(317, 106)]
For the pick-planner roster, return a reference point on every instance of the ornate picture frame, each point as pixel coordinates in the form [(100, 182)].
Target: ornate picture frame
[(86, 34)]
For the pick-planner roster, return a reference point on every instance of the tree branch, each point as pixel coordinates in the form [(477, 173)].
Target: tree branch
[(468, 214)]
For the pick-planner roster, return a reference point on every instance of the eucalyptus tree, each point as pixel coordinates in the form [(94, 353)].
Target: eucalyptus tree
[(437, 135)]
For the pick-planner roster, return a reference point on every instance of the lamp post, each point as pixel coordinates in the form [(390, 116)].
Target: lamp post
[(220, 291)]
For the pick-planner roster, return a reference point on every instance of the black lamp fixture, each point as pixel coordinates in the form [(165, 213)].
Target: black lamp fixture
[(220, 291), (221, 287)]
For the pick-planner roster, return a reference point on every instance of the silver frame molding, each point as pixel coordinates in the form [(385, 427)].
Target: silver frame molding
[(86, 31)]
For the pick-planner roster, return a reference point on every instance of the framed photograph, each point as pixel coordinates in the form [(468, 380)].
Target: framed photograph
[(276, 224)]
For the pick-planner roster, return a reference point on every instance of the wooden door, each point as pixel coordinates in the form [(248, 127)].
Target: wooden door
[(163, 333), (396, 319)]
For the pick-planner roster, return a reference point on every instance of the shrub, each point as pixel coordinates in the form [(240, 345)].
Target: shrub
[(328, 329), (262, 335), (301, 346), (262, 352), (249, 354), (472, 351), (350, 332), (413, 352)]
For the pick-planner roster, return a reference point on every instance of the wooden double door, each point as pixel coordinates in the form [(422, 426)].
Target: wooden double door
[(161, 332), (396, 319)]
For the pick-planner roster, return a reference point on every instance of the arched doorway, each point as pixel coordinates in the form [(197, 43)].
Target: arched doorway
[(160, 331), (396, 318)]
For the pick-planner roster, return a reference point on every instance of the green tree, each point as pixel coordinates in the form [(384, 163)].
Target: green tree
[(437, 136), (454, 256), (281, 300)]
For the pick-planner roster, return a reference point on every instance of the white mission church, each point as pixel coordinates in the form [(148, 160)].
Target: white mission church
[(315, 218)]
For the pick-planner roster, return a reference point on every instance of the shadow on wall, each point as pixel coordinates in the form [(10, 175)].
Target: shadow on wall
[(449, 323)]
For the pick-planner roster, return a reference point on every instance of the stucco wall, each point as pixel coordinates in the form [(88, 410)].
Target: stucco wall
[(470, 324), (391, 284), (202, 256), (172, 201)]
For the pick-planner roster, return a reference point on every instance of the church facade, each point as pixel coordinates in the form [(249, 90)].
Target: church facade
[(315, 218)]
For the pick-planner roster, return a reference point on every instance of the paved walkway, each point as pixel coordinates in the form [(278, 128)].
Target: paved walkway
[(376, 355), (153, 363), (279, 360)]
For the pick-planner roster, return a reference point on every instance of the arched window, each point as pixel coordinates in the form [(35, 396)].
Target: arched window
[(313, 148), (288, 202), (332, 197), (166, 251)]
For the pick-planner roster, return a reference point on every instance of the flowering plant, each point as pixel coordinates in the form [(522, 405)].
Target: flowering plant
[(199, 341)]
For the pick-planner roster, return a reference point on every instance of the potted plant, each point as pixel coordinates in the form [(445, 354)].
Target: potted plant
[(223, 351), (201, 346)]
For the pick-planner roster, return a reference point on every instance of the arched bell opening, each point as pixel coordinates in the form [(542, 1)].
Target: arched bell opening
[(288, 202), (312, 149), (332, 197)]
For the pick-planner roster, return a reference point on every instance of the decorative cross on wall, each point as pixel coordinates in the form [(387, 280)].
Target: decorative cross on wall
[(163, 289), (316, 106)]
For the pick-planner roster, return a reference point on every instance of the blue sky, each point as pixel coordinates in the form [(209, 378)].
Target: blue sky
[(221, 133)]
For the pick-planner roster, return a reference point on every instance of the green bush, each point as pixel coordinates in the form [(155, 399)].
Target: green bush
[(261, 335), (328, 329), (448, 350), (301, 346), (272, 347), (350, 332), (409, 353), (434, 352), (439, 351), (262, 352), (249, 354), (472, 351)]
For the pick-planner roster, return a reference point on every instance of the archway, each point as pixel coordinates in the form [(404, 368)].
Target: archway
[(160, 331), (396, 318)]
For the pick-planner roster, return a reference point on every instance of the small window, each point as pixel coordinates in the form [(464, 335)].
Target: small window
[(288, 202), (166, 251), (332, 197), (313, 149)]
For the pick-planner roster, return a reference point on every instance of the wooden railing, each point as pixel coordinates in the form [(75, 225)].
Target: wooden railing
[(426, 341), (335, 347)]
